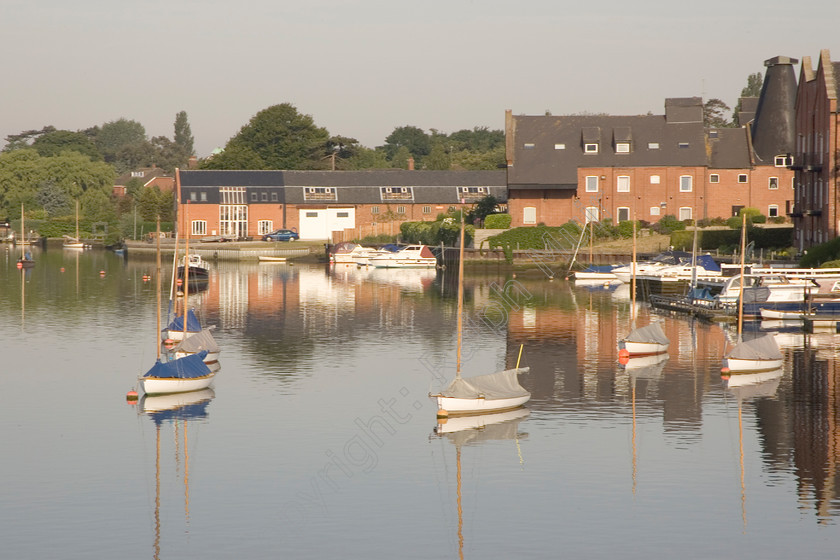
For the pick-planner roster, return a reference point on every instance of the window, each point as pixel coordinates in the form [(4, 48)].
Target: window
[(773, 211), (591, 214), (653, 145), (685, 213), (264, 198), (199, 227), (713, 134), (342, 214), (654, 179), (312, 214), (232, 195), (623, 183), (683, 144), (193, 196), (559, 146), (685, 183), (529, 145), (451, 209), (529, 215), (773, 183), (274, 197), (253, 197), (622, 148), (591, 183), (203, 196), (374, 209), (264, 227), (742, 178), (714, 178), (783, 161), (654, 210), (590, 148), (138, 173), (623, 214), (427, 209), (400, 209)]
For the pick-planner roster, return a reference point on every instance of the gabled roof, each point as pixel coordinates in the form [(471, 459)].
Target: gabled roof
[(728, 148), (548, 150), (371, 178)]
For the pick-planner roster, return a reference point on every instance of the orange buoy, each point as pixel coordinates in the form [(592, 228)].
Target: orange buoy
[(624, 353), (20, 265), (101, 273), (624, 360), (131, 396), (441, 413), (724, 370), (62, 269)]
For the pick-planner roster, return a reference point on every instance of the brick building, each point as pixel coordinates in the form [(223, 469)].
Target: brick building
[(563, 168), (333, 205), (816, 158)]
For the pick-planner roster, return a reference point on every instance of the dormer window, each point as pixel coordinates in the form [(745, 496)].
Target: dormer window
[(591, 139), (783, 161), (622, 148), (591, 148)]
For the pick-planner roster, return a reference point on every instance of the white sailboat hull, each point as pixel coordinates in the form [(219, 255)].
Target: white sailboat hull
[(177, 335), (643, 348), (164, 385), (454, 405), (211, 357), (740, 364)]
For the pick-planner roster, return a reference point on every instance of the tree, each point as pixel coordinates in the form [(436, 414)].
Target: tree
[(479, 160), (753, 89), (714, 114), (57, 141), (366, 158), (152, 202), (412, 138), (168, 154), (400, 159), (25, 138), (437, 159), (479, 139), (118, 138), (275, 138), (183, 134), (54, 200), (483, 208)]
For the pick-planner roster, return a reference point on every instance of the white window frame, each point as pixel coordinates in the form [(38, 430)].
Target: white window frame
[(400, 209), (743, 178), (622, 147), (618, 212), (773, 183), (654, 179), (622, 183), (714, 178), (685, 213), (559, 146), (198, 227), (686, 183), (773, 211), (653, 145), (590, 148), (427, 209), (591, 182), (592, 213), (654, 210), (529, 215), (265, 226)]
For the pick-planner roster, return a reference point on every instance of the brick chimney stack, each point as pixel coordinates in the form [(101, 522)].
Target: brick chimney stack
[(411, 164)]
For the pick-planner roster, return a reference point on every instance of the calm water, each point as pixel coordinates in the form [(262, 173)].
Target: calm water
[(318, 439)]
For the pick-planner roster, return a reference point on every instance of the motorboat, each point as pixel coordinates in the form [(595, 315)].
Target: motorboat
[(412, 256)]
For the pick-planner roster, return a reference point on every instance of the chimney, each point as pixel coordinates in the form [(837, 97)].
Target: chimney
[(193, 163), (411, 163)]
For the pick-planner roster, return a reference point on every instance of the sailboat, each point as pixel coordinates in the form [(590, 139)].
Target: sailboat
[(74, 242), (642, 341), (185, 324), (483, 393), (25, 260), (470, 430), (757, 354), (179, 375)]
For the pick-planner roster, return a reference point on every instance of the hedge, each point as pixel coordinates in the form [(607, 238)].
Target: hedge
[(498, 221), (764, 238)]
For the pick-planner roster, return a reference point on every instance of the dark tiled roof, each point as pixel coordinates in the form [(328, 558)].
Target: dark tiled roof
[(539, 160), (728, 148)]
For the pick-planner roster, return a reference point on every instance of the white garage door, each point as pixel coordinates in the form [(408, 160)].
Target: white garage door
[(319, 224)]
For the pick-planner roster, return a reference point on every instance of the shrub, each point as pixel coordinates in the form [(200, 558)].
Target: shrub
[(498, 221), (668, 224)]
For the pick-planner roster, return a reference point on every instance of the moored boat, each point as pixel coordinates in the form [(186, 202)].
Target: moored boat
[(412, 256)]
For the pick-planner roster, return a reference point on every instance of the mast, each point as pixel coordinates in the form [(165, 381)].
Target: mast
[(157, 283), (186, 266), (22, 231), (460, 295), (77, 221), (633, 279), (741, 296)]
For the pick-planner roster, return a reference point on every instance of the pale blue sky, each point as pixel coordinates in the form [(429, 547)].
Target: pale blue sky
[(363, 67)]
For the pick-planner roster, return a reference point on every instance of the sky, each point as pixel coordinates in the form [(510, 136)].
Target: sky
[(362, 68)]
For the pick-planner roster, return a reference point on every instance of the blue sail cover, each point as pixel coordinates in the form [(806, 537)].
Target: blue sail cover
[(189, 367), (707, 262), (193, 324)]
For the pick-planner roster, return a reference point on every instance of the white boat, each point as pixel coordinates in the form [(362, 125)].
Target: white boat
[(270, 259), (75, 242), (412, 256), (178, 375), (649, 340), (492, 392), (350, 253), (755, 355), (662, 260), (196, 343)]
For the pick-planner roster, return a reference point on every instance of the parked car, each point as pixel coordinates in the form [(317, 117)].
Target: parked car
[(281, 235)]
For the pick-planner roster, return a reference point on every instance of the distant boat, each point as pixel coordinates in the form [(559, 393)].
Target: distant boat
[(198, 342), (74, 242), (754, 355), (198, 269), (25, 260), (492, 392), (270, 259), (412, 256), (645, 341)]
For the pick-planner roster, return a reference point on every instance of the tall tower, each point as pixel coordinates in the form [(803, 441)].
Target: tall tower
[(774, 128)]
